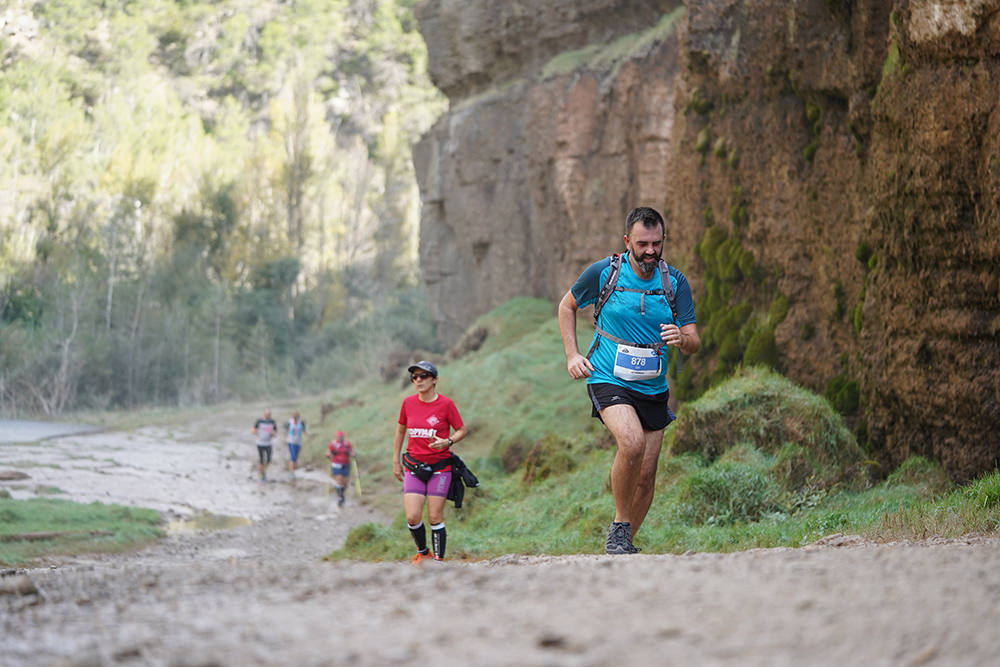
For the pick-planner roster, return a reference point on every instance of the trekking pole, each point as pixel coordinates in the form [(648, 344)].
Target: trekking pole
[(357, 476)]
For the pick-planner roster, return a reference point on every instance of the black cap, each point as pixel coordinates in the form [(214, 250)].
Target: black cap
[(424, 366)]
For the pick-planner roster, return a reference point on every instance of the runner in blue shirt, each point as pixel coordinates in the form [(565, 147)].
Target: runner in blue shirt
[(294, 429), (626, 367)]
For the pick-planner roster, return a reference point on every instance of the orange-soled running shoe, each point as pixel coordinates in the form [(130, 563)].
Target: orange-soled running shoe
[(421, 556)]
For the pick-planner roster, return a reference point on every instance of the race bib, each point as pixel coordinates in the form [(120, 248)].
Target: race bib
[(636, 363)]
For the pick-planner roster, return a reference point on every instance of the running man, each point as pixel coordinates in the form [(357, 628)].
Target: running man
[(340, 452), (295, 429), (265, 428), (626, 367)]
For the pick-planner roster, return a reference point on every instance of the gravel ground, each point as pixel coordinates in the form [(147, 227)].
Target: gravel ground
[(260, 594)]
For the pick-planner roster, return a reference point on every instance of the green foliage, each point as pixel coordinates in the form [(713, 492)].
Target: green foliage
[(75, 528), (974, 508), (844, 394), (928, 477), (984, 493), (793, 467), (727, 493), (228, 241)]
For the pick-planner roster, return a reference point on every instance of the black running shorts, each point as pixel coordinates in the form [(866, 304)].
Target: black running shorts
[(652, 409), (264, 452)]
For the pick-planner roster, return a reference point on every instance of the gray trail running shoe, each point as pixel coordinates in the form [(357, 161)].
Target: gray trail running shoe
[(619, 539)]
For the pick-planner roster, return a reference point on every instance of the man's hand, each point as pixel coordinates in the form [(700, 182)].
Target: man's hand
[(397, 471), (579, 366), (670, 334), (685, 339)]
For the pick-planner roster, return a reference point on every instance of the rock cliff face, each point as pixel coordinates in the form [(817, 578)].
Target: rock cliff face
[(830, 170)]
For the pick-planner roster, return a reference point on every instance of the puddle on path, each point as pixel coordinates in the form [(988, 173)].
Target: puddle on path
[(202, 522)]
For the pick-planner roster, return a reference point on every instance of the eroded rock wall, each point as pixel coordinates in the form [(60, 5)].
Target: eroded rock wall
[(852, 148), (528, 179)]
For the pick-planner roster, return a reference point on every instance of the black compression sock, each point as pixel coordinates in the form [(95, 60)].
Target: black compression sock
[(439, 538), (419, 534)]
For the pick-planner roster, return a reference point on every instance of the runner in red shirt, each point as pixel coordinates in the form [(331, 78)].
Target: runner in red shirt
[(340, 452), (426, 419)]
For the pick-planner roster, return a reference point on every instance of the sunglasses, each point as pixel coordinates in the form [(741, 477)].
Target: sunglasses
[(420, 376)]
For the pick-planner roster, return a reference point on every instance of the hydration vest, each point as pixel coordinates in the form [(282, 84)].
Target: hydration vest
[(611, 285)]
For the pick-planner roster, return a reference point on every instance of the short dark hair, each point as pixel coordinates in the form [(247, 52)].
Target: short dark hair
[(649, 218)]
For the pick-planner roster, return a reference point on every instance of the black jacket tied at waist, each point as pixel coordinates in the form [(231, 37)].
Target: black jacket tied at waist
[(461, 476)]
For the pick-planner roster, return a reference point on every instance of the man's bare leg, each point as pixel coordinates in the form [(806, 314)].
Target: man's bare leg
[(623, 423), (646, 482)]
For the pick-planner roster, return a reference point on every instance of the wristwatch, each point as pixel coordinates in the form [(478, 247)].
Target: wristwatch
[(450, 442)]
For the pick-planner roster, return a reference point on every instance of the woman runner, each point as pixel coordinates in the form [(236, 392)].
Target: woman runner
[(427, 418)]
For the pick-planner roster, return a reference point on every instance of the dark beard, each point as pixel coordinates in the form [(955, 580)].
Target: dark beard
[(649, 267)]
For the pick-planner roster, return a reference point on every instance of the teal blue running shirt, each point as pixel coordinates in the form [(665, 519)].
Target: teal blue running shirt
[(621, 316)]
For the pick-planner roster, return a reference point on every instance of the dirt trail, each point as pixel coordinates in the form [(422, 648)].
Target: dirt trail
[(259, 594)]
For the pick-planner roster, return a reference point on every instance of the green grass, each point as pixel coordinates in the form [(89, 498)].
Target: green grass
[(39, 527), (755, 462)]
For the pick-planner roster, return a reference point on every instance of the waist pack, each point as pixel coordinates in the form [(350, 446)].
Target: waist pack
[(421, 470)]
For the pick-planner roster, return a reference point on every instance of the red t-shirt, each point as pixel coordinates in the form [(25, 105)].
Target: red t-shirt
[(339, 452), (424, 421)]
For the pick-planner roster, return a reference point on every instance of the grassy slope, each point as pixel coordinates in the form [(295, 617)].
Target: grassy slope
[(776, 491)]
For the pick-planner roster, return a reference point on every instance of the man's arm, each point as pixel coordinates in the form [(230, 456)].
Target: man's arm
[(685, 337), (577, 365), (690, 341)]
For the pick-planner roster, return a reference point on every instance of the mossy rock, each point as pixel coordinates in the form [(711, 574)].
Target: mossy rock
[(763, 408)]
